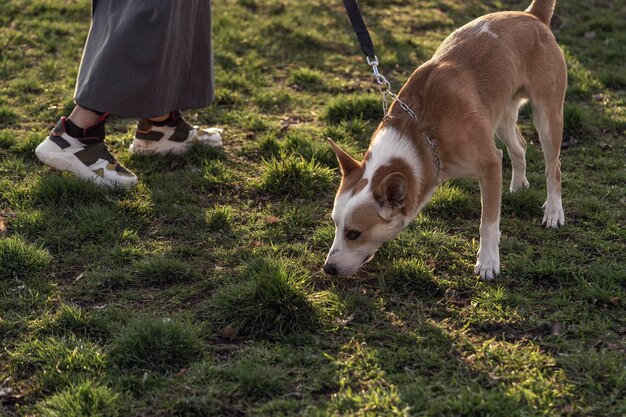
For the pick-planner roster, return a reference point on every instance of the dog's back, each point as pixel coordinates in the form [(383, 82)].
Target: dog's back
[(484, 64)]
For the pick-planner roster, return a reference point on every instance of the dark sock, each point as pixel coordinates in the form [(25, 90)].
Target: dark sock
[(93, 133), (172, 119)]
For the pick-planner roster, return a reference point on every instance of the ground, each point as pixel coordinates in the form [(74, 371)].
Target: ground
[(200, 292)]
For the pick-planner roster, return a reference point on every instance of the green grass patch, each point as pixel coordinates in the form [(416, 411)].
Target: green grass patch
[(7, 115), (307, 79), (158, 345), (524, 204), (270, 300), (73, 320), (343, 108), (57, 362), (26, 147), (574, 119), (411, 276), (86, 399), (55, 190), (7, 139), (219, 219), (304, 143), (162, 271), (451, 202), (274, 99), (21, 260), (258, 380), (294, 176)]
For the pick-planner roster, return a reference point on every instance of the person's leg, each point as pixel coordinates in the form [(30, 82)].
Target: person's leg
[(83, 117)]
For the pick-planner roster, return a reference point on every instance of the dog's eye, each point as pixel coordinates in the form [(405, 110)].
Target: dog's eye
[(352, 234)]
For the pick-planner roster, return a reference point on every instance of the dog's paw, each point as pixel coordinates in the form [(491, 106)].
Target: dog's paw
[(553, 216), (517, 186), (488, 269)]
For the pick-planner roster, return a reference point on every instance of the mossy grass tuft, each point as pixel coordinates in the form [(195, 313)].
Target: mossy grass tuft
[(523, 204), (162, 271), (274, 99), (269, 298), (604, 284), (19, 259), (85, 399), (575, 120), (258, 380), (294, 176), (452, 202), (198, 406), (268, 145), (74, 319), (58, 361), (64, 190), (411, 275), (344, 108), (303, 143), (7, 116), (158, 345), (307, 79), (7, 138), (219, 218)]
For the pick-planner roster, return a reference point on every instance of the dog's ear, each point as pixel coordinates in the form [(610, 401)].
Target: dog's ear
[(391, 193), (346, 162)]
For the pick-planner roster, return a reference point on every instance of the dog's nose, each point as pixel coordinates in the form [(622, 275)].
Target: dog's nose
[(330, 269)]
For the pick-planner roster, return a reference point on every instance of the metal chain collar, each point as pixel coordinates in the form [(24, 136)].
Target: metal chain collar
[(384, 86)]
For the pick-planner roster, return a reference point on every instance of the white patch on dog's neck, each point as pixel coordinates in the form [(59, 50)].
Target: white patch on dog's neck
[(390, 144)]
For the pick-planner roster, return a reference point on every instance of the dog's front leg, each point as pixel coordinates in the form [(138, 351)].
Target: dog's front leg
[(488, 264)]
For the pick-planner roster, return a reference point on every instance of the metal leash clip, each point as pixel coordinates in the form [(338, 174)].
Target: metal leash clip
[(384, 86)]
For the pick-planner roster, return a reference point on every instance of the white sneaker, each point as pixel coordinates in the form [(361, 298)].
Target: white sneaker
[(175, 138), (87, 158)]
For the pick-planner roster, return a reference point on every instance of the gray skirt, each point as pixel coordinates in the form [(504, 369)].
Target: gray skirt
[(144, 58)]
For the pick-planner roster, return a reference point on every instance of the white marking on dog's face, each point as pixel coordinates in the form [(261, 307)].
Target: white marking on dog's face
[(362, 222), (359, 230)]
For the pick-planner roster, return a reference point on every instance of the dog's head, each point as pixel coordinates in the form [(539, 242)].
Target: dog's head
[(371, 208)]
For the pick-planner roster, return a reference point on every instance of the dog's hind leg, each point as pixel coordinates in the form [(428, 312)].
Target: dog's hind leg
[(547, 94), (548, 119), (510, 135)]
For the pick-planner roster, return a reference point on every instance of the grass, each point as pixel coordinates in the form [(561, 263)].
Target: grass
[(200, 292), (161, 271), (21, 260), (81, 400), (268, 299), (56, 362), (294, 176), (159, 345)]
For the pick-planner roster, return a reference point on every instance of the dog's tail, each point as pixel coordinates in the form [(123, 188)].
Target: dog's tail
[(542, 9)]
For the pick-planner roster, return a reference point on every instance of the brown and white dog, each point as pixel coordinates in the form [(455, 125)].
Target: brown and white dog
[(469, 91)]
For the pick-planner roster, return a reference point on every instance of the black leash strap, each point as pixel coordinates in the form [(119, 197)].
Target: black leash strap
[(362, 34), (358, 24)]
